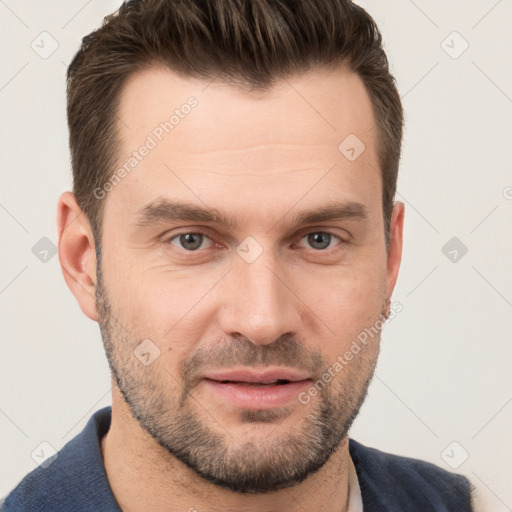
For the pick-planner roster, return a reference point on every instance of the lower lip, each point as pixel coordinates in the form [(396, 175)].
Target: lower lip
[(258, 397)]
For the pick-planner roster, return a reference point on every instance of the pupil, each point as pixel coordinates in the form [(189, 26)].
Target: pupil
[(319, 240), (191, 241)]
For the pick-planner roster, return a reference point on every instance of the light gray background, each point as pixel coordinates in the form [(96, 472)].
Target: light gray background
[(444, 371)]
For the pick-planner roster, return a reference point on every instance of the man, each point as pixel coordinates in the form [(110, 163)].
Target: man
[(233, 230)]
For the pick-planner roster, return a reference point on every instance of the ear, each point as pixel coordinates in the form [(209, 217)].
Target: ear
[(77, 253), (395, 246)]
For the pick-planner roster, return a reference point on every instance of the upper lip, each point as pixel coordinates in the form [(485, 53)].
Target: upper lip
[(263, 376)]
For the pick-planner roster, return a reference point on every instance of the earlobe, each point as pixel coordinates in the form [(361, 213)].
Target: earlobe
[(395, 246), (77, 253)]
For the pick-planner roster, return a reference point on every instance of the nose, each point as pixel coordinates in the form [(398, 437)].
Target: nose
[(259, 302)]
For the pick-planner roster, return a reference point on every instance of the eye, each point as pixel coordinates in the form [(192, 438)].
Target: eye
[(320, 240), (189, 241)]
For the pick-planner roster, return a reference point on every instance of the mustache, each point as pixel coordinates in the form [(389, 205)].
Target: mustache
[(286, 350)]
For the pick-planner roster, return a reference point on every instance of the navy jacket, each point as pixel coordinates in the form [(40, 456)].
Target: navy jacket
[(76, 480)]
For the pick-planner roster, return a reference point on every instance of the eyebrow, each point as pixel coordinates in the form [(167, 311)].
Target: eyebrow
[(163, 210)]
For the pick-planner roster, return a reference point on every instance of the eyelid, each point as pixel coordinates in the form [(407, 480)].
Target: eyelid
[(328, 231), (169, 239), (340, 233), (302, 233)]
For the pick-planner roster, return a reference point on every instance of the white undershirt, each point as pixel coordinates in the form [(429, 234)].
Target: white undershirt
[(355, 501)]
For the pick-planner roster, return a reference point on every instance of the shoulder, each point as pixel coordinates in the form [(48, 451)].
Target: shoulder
[(73, 479), (392, 482)]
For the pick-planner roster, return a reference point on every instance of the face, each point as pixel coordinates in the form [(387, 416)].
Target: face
[(241, 248)]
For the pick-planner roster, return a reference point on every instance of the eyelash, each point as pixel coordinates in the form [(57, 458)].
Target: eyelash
[(199, 232)]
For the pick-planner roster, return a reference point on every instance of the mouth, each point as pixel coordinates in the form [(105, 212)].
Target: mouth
[(257, 390), (271, 376), (278, 382)]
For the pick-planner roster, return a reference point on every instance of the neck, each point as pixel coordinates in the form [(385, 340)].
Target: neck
[(145, 476)]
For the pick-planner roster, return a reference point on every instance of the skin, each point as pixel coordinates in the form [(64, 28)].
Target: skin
[(261, 159)]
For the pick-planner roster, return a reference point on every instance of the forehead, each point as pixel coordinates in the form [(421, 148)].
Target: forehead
[(215, 137), (320, 106)]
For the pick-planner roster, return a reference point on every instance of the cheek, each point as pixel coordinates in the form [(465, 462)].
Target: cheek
[(349, 304), (170, 310), (348, 297)]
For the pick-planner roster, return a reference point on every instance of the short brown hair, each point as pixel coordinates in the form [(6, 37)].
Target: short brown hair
[(246, 43)]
